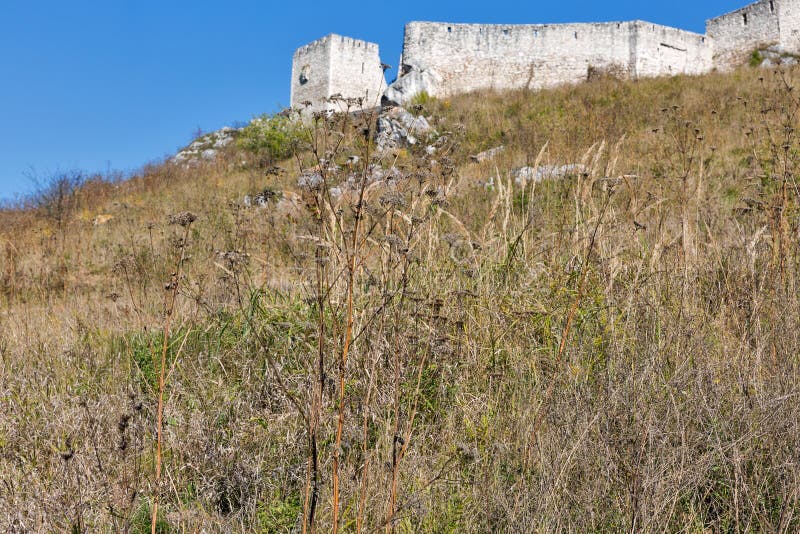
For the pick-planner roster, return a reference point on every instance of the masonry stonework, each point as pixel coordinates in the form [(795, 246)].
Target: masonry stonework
[(738, 33), (469, 57), (336, 65), (445, 59)]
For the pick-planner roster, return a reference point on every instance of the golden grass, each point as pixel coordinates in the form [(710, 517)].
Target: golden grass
[(612, 350)]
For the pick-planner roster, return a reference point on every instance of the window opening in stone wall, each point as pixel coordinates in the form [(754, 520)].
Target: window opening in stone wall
[(304, 74), (576, 35), (505, 32), (772, 7), (449, 29), (744, 18)]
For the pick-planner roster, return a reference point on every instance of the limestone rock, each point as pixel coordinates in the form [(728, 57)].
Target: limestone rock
[(486, 155), (397, 127), (523, 175), (414, 81), (206, 147), (310, 181)]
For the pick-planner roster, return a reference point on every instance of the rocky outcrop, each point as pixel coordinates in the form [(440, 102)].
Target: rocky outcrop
[(398, 127), (206, 147), (414, 80), (524, 175), (487, 155), (773, 56)]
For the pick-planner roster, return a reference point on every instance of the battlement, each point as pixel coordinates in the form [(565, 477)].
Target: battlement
[(331, 37), (443, 58)]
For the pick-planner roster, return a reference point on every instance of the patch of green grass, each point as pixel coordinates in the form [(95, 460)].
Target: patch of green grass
[(279, 515), (421, 99), (756, 58), (141, 522)]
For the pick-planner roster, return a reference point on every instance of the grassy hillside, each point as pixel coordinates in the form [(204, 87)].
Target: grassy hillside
[(448, 350)]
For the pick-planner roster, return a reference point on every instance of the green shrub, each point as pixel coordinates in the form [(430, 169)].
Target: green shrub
[(274, 137), (421, 99)]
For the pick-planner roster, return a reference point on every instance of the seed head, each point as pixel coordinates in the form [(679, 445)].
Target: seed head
[(183, 219)]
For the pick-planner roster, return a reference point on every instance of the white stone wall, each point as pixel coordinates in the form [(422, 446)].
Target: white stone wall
[(738, 33), (356, 70), (336, 65), (789, 21), (660, 51), (446, 59), (311, 74), (470, 57)]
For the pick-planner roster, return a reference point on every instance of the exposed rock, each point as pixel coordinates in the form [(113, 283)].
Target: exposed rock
[(774, 56), (261, 199), (310, 181), (487, 154), (397, 126), (207, 147), (378, 173), (523, 175), (414, 80)]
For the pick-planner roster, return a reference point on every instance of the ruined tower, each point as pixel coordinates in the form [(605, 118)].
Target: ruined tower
[(336, 65)]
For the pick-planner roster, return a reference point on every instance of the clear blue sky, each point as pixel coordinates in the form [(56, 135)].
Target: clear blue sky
[(115, 84)]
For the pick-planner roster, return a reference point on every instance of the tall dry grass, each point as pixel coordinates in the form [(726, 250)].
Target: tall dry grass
[(444, 350)]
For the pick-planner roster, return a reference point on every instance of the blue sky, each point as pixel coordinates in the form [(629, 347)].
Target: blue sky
[(114, 84)]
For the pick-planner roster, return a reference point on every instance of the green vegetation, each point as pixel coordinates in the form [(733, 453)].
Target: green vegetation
[(756, 58), (272, 136), (422, 98)]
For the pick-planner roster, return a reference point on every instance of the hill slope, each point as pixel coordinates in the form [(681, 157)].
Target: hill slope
[(434, 342)]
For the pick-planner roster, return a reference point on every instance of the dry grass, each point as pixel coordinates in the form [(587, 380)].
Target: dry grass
[(614, 350)]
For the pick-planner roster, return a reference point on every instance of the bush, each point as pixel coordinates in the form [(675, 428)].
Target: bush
[(421, 99), (273, 137), (57, 195)]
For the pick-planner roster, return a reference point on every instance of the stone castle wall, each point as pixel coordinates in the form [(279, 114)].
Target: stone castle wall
[(337, 65), (664, 51), (789, 20), (445, 59), (311, 74), (356, 70), (738, 33), (469, 57)]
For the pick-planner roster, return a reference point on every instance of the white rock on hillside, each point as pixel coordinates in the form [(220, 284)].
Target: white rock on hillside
[(207, 147), (397, 126), (416, 80)]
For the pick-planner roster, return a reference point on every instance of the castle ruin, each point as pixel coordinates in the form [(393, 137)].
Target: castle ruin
[(337, 65), (443, 59)]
